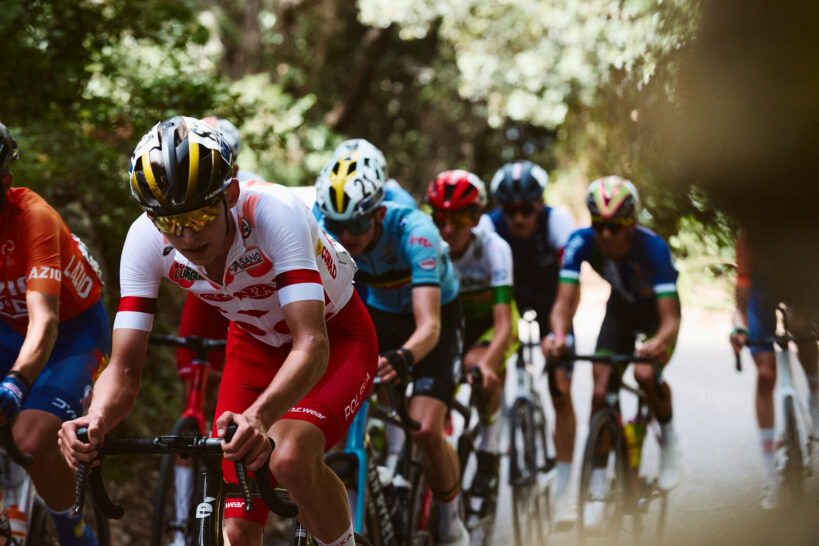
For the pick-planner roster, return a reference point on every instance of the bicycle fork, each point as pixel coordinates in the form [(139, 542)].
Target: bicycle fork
[(788, 392)]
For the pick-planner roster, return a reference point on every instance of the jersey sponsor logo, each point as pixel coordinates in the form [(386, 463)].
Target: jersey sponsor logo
[(256, 292), (183, 275), (10, 304), (45, 272), (235, 504), (420, 241), (427, 265), (75, 271), (8, 246), (245, 227), (248, 260), (216, 297)]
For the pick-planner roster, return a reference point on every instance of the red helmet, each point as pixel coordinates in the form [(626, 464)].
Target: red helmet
[(457, 190)]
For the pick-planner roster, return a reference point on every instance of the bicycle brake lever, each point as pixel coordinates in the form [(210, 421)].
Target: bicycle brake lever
[(93, 478), (241, 471)]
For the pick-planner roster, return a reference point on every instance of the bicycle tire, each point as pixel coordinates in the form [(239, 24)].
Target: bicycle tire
[(794, 469), (527, 513), (615, 500), (420, 503), (165, 490)]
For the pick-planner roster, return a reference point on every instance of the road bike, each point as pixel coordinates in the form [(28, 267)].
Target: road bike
[(630, 480), (794, 427), (530, 464), (173, 509), (26, 521), (478, 507), (390, 506), (211, 490)]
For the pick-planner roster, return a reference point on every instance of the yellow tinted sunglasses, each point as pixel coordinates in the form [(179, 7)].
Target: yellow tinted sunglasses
[(195, 220)]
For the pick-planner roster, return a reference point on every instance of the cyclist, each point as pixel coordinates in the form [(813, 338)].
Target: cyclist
[(54, 337), (537, 234), (232, 138), (755, 317), (638, 265), (301, 353), (483, 264), (414, 305)]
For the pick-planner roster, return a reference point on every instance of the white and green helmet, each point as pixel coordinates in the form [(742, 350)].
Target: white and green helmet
[(350, 185), (613, 197)]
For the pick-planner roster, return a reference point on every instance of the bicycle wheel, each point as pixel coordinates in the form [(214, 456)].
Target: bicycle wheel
[(793, 470), (607, 507), (528, 512), (163, 520), (420, 504)]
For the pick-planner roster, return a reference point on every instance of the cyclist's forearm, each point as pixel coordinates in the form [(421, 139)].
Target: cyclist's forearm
[(742, 296), (114, 394), (40, 338), (501, 338), (423, 339), (301, 370)]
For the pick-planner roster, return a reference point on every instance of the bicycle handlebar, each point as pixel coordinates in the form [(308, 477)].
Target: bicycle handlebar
[(398, 401), (615, 359), (780, 340), (187, 446), (11, 448)]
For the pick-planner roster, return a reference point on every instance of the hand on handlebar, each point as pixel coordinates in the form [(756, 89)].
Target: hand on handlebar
[(738, 339), (74, 450), (393, 365), (491, 381), (250, 443), (656, 349), (555, 346)]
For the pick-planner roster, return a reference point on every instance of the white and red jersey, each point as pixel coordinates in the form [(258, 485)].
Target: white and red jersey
[(279, 255)]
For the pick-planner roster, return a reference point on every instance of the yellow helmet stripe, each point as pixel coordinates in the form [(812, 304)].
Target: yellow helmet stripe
[(215, 157), (193, 169), (152, 185), (339, 179)]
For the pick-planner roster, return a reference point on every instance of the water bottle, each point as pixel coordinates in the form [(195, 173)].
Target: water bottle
[(635, 431)]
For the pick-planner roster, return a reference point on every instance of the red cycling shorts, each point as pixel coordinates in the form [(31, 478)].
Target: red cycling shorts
[(330, 405)]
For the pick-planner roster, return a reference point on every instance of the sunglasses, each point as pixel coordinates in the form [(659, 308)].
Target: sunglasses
[(457, 219), (195, 220), (356, 226), (526, 209), (614, 225)]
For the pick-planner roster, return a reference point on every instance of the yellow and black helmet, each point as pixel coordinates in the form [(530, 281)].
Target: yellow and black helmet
[(181, 164)]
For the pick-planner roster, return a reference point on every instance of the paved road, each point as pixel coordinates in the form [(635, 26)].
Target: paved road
[(718, 500)]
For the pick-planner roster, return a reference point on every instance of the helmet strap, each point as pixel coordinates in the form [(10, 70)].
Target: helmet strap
[(227, 214)]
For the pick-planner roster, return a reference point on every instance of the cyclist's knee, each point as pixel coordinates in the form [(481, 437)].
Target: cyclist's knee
[(241, 532), (292, 467), (429, 438), (765, 379), (644, 375), (35, 432)]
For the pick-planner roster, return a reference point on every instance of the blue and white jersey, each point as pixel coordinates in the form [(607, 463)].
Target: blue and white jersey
[(408, 254), (645, 273), (394, 193)]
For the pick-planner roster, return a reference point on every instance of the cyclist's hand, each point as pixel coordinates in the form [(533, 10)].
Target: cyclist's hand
[(76, 451), (250, 443), (655, 348), (392, 365), (12, 393), (738, 338), (491, 380), (555, 346)]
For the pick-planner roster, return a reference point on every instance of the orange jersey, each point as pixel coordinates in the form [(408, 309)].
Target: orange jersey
[(744, 260), (40, 253)]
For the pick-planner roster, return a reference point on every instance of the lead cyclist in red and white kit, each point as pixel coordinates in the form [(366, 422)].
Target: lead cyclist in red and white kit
[(301, 351)]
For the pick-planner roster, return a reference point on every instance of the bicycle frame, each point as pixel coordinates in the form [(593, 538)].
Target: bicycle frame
[(787, 391)]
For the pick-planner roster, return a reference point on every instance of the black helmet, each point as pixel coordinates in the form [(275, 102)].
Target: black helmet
[(519, 181), (8, 150), (182, 164)]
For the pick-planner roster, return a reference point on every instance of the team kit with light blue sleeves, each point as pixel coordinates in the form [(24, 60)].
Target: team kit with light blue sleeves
[(408, 254), (643, 276)]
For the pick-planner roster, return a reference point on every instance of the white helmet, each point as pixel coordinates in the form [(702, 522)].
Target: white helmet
[(351, 185), (366, 147)]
